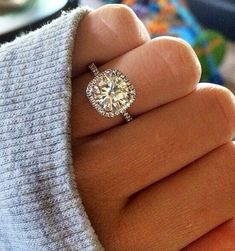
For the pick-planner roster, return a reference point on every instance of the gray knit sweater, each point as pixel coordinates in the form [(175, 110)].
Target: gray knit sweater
[(40, 208)]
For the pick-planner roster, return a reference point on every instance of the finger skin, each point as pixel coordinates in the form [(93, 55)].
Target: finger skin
[(106, 33), (173, 213), (221, 238), (161, 71), (158, 143)]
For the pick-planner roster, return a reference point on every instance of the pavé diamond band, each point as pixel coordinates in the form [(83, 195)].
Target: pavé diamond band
[(110, 93)]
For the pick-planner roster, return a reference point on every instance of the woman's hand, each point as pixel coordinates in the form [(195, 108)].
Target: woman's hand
[(166, 180)]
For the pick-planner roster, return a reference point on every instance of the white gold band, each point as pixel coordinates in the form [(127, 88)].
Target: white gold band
[(127, 116), (94, 69)]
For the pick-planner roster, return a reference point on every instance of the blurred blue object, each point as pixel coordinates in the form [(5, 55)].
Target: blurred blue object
[(216, 14)]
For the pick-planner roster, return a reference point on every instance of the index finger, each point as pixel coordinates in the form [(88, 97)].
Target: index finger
[(107, 33)]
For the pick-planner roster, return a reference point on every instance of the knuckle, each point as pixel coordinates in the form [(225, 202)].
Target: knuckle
[(123, 13), (125, 24), (180, 59), (228, 155), (190, 62), (222, 102), (116, 9), (225, 160)]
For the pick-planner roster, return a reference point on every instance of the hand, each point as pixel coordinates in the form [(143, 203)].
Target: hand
[(166, 180)]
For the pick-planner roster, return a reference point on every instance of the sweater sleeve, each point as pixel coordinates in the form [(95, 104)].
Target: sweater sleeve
[(40, 208)]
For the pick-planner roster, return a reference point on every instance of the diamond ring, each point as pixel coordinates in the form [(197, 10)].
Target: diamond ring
[(110, 93)]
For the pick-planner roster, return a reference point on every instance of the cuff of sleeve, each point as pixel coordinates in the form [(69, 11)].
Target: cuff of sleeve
[(40, 208)]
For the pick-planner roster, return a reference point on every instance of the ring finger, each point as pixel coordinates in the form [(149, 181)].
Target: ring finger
[(161, 71)]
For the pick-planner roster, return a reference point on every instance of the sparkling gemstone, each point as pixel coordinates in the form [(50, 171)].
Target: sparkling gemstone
[(111, 92)]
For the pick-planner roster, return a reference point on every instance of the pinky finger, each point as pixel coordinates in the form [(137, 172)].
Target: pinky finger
[(185, 206)]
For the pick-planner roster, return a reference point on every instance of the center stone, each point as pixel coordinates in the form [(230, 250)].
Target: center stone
[(112, 93)]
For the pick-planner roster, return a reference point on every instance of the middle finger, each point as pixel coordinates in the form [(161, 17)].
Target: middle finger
[(159, 142)]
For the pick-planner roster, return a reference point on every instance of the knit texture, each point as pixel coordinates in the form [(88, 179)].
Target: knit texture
[(40, 208)]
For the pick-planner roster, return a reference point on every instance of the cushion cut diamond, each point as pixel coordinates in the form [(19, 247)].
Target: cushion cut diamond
[(111, 93)]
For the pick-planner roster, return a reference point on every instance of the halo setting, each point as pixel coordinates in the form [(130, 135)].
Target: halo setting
[(111, 93)]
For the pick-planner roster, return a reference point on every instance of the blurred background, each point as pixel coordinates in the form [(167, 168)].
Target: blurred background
[(208, 25)]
